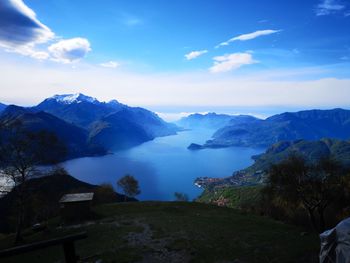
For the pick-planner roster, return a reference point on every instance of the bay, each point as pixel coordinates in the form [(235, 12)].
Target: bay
[(164, 165)]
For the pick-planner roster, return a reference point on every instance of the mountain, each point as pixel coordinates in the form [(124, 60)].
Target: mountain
[(78, 109), (212, 120), (309, 125), (112, 125), (152, 124), (73, 137), (312, 151), (2, 107), (129, 127), (116, 132)]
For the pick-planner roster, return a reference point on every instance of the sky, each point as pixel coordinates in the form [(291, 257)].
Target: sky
[(177, 57)]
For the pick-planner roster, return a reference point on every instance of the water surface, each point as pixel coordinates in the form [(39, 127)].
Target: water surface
[(164, 166)]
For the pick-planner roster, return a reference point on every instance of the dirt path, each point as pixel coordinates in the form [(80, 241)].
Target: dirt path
[(157, 249)]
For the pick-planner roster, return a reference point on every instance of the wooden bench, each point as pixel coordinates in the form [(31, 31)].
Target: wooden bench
[(67, 242)]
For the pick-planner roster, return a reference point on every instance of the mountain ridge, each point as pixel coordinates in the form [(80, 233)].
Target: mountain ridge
[(100, 125), (212, 120), (308, 124)]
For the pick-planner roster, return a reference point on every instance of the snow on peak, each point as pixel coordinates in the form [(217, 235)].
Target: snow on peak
[(74, 98), (115, 102)]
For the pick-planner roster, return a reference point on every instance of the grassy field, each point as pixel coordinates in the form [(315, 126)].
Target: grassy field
[(176, 232), (236, 197)]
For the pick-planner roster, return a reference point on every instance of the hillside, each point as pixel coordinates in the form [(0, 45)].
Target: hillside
[(178, 232), (74, 138), (45, 192), (310, 150), (308, 125)]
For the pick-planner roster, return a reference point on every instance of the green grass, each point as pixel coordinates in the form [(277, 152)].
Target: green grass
[(243, 197), (186, 232)]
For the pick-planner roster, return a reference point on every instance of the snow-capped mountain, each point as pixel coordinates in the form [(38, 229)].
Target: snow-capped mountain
[(77, 108), (87, 126), (85, 111), (73, 98)]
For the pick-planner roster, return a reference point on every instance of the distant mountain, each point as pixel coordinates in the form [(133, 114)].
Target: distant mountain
[(2, 107), (309, 125), (212, 120), (129, 127), (152, 124), (112, 125), (116, 132), (312, 151), (89, 126), (73, 137), (78, 108)]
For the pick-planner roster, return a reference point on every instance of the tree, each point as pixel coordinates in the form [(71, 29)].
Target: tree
[(104, 193), (129, 185), (314, 186), (181, 197), (20, 154)]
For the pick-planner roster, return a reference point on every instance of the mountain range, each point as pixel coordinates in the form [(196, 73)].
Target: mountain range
[(87, 126), (212, 120), (308, 125)]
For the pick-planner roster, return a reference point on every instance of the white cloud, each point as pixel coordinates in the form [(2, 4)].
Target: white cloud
[(19, 25), (110, 64), (20, 30), (230, 62), (39, 55), (29, 51), (327, 7), (347, 14), (249, 36), (70, 50), (195, 54), (178, 90)]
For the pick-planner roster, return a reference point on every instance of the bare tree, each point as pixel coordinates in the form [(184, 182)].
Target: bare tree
[(129, 185), (20, 154)]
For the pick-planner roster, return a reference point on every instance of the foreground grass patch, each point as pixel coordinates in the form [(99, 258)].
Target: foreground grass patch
[(179, 232)]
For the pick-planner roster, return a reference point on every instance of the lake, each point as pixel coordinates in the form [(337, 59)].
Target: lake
[(165, 165)]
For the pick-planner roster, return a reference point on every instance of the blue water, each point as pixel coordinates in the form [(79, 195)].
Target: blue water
[(164, 166)]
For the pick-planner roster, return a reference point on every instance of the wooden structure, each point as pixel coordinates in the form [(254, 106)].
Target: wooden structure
[(76, 207), (67, 242)]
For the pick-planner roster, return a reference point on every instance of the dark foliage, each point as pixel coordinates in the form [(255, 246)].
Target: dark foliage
[(45, 193), (294, 183), (129, 185), (181, 197)]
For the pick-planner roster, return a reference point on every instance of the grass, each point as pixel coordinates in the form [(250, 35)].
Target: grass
[(178, 232), (237, 197)]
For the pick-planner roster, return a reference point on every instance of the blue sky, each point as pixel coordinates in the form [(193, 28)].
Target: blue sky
[(157, 34), (194, 54)]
